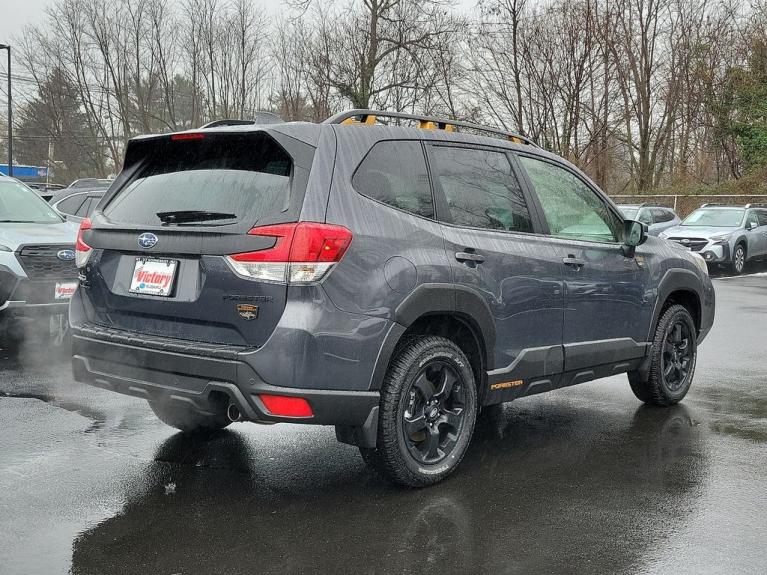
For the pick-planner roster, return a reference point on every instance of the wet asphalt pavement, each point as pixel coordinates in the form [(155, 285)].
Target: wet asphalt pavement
[(582, 480)]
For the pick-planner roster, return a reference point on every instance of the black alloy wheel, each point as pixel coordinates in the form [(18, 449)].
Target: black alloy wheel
[(426, 414), (677, 355), (434, 415), (671, 360)]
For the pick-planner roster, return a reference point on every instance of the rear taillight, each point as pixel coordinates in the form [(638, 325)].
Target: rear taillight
[(82, 250), (287, 406), (303, 253)]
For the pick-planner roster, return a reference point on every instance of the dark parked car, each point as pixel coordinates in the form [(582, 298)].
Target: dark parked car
[(91, 183), (76, 205), (388, 280), (46, 191)]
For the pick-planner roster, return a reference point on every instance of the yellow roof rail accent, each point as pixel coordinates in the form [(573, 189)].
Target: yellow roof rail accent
[(370, 117), (432, 125), (368, 120)]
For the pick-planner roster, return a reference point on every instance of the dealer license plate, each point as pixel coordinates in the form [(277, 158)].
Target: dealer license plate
[(64, 290), (153, 276)]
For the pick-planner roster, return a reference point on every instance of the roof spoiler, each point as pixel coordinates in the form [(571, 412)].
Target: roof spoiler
[(260, 118)]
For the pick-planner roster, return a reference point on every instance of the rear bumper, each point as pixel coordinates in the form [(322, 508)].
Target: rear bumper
[(196, 379)]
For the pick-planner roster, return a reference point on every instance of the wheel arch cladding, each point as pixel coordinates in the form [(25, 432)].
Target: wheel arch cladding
[(456, 313), (682, 287)]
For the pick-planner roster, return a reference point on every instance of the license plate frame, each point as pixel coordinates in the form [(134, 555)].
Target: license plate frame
[(153, 277)]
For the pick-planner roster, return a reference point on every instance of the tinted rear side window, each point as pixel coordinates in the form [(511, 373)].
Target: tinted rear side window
[(481, 190), (394, 172), (661, 216), (71, 205), (247, 175)]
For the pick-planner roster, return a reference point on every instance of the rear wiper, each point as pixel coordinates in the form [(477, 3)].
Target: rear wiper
[(183, 216)]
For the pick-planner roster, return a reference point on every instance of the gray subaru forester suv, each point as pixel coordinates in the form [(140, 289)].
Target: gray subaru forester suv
[(384, 273)]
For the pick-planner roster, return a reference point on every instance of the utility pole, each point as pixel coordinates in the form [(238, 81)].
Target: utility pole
[(10, 112)]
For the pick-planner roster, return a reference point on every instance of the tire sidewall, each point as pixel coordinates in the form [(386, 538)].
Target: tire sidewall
[(429, 473), (679, 314)]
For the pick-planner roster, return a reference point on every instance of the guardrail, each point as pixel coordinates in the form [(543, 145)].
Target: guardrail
[(685, 204)]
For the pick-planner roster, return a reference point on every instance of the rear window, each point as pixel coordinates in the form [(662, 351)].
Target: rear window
[(245, 175)]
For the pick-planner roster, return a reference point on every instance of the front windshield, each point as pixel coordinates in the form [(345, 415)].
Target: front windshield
[(19, 204), (715, 217), (629, 213)]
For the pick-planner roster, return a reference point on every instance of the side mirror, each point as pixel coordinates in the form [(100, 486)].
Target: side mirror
[(634, 234), (752, 226)]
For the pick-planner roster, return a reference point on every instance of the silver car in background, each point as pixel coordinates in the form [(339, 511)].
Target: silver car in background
[(656, 218), (37, 262), (728, 235)]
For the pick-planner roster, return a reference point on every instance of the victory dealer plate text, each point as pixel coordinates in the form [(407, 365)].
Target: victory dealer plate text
[(64, 290), (153, 277)]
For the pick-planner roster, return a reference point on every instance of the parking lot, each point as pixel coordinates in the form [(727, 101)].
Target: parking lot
[(581, 480)]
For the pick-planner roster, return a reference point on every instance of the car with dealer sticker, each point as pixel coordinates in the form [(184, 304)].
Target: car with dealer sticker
[(387, 274), (38, 275)]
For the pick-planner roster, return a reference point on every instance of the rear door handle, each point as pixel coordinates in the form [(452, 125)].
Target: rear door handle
[(573, 262), (469, 257)]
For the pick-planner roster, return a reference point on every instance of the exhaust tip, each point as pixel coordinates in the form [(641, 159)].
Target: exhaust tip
[(233, 413)]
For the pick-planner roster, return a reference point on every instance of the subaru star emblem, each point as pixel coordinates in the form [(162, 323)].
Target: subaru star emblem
[(685, 241), (66, 255), (147, 240)]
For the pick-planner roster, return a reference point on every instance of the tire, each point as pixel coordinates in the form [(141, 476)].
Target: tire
[(673, 356), (188, 419), (427, 413), (739, 259)]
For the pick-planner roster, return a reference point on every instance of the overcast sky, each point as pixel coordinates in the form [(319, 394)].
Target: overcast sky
[(15, 14)]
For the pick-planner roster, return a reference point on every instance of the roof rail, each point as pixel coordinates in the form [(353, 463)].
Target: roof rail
[(756, 206), (370, 117)]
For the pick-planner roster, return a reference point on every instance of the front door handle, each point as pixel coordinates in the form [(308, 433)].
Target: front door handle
[(469, 257), (573, 262)]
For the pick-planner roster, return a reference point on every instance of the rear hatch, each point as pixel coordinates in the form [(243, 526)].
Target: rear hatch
[(159, 239)]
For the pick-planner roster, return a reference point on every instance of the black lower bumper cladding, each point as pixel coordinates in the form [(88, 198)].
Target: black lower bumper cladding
[(197, 380)]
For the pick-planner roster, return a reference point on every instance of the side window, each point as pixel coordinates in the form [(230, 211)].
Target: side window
[(661, 216), (572, 209), (762, 215), (480, 188), (394, 172), (645, 216), (71, 204), (85, 210), (751, 219)]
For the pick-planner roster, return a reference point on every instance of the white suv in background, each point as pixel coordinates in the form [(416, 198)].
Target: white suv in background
[(37, 260), (729, 235)]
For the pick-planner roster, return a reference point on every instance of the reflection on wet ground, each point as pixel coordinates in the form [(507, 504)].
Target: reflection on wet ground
[(579, 480), (544, 490)]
